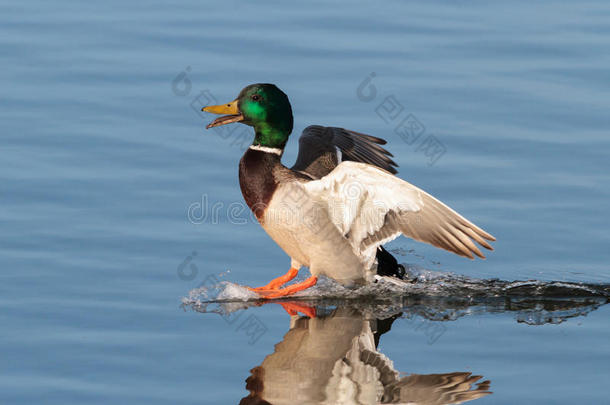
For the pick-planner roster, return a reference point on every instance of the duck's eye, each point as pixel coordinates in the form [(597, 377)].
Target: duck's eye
[(255, 97)]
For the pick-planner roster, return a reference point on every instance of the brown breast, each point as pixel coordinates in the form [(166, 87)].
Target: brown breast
[(257, 179)]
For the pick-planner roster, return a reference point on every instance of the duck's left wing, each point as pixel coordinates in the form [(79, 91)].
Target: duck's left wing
[(321, 149), (370, 206)]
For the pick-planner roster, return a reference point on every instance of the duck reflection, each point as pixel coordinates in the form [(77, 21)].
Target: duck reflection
[(333, 359)]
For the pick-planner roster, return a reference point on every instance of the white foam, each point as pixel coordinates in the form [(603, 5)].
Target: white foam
[(419, 281)]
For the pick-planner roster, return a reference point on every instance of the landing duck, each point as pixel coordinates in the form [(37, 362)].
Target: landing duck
[(339, 203)]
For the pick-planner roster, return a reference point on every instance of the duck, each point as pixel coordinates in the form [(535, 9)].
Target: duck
[(333, 210)]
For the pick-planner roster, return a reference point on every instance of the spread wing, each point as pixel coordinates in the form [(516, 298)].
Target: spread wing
[(321, 149), (371, 206)]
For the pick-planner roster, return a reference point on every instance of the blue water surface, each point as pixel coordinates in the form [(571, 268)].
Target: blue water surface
[(104, 154)]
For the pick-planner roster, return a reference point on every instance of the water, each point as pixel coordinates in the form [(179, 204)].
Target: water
[(102, 156)]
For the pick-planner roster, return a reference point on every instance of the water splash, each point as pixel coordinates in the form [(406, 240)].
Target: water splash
[(433, 295)]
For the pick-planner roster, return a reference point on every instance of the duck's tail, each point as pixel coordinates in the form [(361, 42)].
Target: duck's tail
[(387, 265)]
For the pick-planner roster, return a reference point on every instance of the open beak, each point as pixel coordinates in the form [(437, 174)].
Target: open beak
[(233, 114)]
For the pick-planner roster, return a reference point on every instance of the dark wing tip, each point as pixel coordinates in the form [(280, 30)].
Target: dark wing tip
[(359, 147)]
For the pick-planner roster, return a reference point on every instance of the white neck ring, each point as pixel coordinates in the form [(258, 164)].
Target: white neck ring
[(266, 149)]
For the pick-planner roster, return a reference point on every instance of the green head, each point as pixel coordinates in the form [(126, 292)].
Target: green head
[(262, 106)]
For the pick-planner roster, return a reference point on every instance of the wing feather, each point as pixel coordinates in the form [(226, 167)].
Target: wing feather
[(371, 206), (318, 148)]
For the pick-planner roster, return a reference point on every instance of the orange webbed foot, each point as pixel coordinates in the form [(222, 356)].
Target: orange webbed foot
[(276, 283), (291, 289)]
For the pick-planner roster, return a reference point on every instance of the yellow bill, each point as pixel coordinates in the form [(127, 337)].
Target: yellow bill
[(231, 109)]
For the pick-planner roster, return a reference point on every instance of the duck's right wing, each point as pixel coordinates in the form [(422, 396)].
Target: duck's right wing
[(370, 207), (321, 149)]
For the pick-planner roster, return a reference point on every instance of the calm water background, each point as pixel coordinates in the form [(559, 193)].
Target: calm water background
[(100, 161)]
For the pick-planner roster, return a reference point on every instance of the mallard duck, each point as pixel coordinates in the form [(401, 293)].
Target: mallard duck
[(335, 207)]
